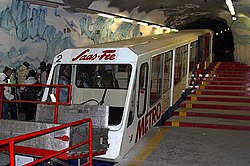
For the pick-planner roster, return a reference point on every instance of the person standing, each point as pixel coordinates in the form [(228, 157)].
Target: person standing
[(6, 96), (29, 93), (64, 78), (41, 74), (22, 72), (48, 68), (11, 80)]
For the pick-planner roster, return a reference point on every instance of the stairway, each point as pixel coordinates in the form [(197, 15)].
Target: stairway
[(222, 101)]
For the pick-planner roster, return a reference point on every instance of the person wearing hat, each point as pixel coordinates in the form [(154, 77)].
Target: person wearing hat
[(22, 72), (7, 96), (12, 80), (30, 93)]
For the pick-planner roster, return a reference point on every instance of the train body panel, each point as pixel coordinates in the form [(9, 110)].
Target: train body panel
[(139, 79)]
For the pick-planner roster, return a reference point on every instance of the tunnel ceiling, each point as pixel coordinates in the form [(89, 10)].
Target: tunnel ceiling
[(171, 13)]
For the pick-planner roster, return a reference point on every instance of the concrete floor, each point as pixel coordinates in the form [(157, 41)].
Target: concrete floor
[(184, 146)]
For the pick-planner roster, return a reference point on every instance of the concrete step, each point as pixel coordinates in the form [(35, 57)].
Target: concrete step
[(216, 105), (221, 92), (219, 78), (233, 72), (230, 75), (221, 102), (228, 65), (217, 82), (205, 122), (225, 87), (243, 99), (213, 113)]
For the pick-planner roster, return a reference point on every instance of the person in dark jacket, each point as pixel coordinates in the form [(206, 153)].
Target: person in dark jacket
[(6, 96), (30, 93)]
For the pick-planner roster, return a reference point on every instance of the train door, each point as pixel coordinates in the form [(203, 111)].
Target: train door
[(62, 74), (142, 90), (141, 99), (206, 46), (200, 49)]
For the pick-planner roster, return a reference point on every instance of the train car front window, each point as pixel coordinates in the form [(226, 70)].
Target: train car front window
[(103, 76)]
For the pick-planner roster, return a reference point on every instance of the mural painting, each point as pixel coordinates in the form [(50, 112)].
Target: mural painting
[(34, 33)]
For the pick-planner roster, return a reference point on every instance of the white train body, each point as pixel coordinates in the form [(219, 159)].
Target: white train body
[(149, 75)]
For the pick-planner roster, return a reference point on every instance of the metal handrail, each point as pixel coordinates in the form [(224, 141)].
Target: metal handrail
[(12, 141), (57, 103)]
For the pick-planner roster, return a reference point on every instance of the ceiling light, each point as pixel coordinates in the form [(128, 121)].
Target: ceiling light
[(127, 20), (174, 30), (165, 28), (230, 6), (105, 15), (142, 23), (155, 26)]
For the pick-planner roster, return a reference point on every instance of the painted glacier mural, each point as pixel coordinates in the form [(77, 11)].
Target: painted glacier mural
[(33, 33)]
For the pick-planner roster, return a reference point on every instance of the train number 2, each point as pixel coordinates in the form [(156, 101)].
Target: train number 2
[(59, 58)]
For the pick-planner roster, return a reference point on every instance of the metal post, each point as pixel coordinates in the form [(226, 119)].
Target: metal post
[(90, 142), (56, 106), (12, 154)]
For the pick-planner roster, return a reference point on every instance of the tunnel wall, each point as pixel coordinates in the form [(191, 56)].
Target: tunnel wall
[(35, 33)]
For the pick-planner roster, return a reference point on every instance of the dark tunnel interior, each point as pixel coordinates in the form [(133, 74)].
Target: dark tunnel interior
[(223, 37)]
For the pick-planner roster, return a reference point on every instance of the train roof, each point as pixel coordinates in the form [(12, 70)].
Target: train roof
[(141, 45), (133, 48)]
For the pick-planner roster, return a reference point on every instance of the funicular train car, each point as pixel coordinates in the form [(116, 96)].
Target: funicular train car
[(138, 79)]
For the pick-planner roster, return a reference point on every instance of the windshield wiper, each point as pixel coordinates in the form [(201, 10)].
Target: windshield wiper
[(103, 97)]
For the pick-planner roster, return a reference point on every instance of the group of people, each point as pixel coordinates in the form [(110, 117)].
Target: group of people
[(24, 75), (97, 76)]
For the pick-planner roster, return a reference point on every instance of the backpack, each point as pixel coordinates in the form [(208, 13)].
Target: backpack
[(29, 93)]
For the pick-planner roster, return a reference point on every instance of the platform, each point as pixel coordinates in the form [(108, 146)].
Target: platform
[(184, 146)]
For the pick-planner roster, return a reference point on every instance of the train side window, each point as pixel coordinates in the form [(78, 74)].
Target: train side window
[(200, 49), (156, 79), (193, 56), (184, 60), (167, 71), (64, 79), (142, 90), (206, 47), (177, 66)]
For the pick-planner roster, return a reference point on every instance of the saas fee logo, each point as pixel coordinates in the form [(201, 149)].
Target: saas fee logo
[(106, 55)]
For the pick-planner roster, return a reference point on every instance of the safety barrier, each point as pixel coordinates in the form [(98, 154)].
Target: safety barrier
[(11, 142), (56, 103)]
